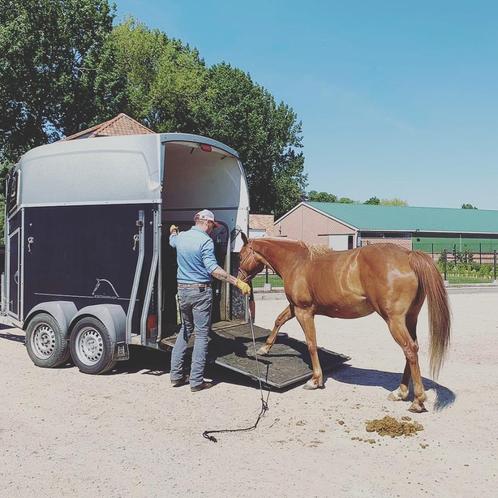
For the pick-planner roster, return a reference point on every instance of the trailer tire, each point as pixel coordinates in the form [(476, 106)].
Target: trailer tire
[(91, 345), (46, 345)]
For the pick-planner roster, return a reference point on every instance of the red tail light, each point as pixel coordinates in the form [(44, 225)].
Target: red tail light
[(151, 325), (206, 147)]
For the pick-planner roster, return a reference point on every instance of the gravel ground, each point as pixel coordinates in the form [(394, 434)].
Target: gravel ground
[(129, 433)]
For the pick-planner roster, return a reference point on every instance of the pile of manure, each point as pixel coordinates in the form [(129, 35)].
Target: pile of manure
[(389, 426)]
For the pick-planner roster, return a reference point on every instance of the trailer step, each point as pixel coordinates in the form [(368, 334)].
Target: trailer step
[(287, 363)]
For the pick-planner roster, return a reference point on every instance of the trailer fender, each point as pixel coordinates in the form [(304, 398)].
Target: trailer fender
[(62, 311), (114, 319)]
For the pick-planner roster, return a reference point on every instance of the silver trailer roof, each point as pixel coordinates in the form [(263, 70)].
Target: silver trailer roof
[(103, 170)]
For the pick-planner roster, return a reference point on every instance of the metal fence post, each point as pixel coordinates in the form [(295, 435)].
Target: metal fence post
[(432, 251), (445, 260), (266, 275), (494, 266), (480, 253)]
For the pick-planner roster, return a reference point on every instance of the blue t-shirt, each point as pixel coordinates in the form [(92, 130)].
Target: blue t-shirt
[(195, 256)]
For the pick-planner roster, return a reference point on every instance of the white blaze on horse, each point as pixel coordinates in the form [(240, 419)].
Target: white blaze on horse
[(382, 278)]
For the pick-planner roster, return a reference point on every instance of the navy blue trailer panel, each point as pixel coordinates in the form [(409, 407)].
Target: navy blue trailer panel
[(86, 254)]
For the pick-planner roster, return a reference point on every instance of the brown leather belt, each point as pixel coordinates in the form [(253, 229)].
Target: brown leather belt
[(195, 285)]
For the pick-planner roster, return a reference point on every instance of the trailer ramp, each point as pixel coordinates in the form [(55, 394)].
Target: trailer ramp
[(287, 363)]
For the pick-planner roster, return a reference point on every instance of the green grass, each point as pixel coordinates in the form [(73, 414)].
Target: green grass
[(465, 279), (259, 281)]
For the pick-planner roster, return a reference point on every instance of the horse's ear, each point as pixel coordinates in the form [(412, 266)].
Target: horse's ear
[(244, 237)]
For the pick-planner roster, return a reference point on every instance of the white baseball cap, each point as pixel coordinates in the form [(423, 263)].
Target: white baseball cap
[(205, 215)]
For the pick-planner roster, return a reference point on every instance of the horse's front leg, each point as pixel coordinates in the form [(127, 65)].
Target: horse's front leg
[(306, 319), (285, 316)]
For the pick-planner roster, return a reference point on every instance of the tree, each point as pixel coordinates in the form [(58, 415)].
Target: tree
[(80, 71), (315, 196), (346, 200), (393, 202), (48, 49), (468, 206), (373, 200), (168, 86), (267, 135)]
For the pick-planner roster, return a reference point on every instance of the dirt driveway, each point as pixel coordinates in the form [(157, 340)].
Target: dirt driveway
[(129, 433)]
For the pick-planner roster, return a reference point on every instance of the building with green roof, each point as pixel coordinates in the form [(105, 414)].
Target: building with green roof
[(343, 226)]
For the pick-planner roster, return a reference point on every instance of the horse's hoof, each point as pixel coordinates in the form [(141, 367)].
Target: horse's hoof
[(397, 395), (311, 385), (262, 351), (417, 407)]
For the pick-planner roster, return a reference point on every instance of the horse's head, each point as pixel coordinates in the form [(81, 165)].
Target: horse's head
[(251, 263)]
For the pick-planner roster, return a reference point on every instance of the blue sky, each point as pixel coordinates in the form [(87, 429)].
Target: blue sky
[(397, 98)]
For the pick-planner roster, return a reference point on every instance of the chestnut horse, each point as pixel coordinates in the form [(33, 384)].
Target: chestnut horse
[(384, 278)]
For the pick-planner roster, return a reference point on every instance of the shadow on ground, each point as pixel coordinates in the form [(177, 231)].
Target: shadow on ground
[(12, 337), (144, 360), (153, 362), (390, 381)]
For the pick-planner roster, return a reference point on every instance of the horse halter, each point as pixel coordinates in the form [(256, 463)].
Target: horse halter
[(247, 276)]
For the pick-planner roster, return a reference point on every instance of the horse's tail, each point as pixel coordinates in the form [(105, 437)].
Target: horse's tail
[(432, 284)]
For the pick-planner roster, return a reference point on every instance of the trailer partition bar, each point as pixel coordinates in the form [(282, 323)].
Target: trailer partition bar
[(138, 272), (152, 276)]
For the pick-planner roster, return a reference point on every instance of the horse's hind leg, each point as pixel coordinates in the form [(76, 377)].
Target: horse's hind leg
[(402, 392), (400, 333), (306, 319), (285, 316)]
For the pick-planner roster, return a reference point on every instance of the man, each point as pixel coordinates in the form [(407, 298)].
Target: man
[(196, 265)]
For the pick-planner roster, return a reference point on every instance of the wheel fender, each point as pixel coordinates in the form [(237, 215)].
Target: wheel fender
[(111, 315), (62, 311)]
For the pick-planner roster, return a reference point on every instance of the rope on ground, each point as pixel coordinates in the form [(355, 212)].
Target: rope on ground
[(264, 403)]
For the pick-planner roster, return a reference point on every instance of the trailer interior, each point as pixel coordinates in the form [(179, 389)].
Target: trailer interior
[(197, 176)]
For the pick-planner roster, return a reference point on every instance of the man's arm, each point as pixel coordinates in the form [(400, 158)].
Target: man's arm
[(216, 271), (221, 274)]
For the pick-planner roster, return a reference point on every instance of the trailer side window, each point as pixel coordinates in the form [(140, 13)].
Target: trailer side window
[(12, 190)]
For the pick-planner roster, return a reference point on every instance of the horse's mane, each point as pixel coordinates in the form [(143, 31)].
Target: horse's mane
[(316, 250)]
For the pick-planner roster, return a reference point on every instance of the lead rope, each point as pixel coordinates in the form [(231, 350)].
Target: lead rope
[(264, 403)]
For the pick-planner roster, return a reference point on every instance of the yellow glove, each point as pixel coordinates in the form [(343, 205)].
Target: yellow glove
[(173, 228), (244, 288)]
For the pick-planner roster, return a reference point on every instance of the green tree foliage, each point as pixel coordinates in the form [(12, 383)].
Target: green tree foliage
[(346, 200), (315, 196), (468, 206), (267, 135), (64, 68), (373, 200), (47, 52), (167, 85), (393, 202)]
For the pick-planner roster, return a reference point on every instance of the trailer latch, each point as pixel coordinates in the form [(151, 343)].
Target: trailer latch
[(136, 238), (31, 240)]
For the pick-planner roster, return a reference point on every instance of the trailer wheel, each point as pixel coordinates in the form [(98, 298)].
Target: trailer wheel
[(91, 346), (46, 345)]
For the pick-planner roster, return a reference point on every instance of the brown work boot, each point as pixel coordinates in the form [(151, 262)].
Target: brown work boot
[(180, 382), (201, 387)]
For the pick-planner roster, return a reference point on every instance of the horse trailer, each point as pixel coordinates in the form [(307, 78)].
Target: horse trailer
[(89, 269)]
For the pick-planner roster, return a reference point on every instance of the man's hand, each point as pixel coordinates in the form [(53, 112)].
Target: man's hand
[(173, 229), (244, 288)]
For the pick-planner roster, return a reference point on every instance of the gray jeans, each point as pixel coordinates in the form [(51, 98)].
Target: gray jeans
[(195, 306)]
